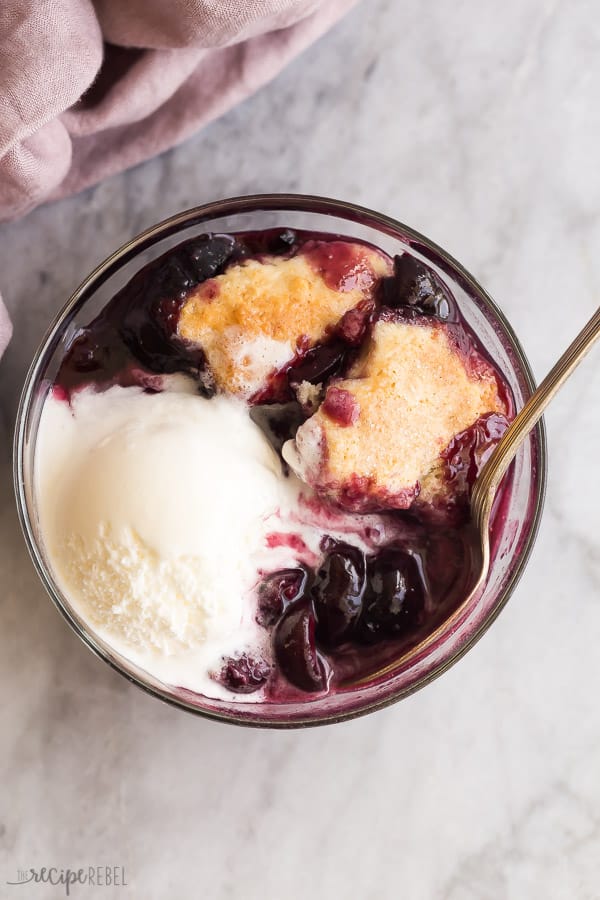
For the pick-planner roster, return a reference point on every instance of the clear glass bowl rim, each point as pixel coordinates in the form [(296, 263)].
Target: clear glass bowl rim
[(196, 216)]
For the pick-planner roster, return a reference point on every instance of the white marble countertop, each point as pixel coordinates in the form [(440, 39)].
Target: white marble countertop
[(479, 126)]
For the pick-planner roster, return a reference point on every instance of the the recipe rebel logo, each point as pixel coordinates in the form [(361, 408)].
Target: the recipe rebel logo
[(95, 876)]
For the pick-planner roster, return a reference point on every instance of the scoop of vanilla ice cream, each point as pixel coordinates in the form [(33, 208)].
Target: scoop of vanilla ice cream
[(152, 509)]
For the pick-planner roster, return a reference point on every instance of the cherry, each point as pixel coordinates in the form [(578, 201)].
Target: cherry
[(415, 287), (282, 241), (270, 242), (338, 593), (206, 255), (395, 602), (341, 406), (295, 648), (469, 450), (354, 323), (147, 309), (89, 353), (319, 364), (244, 674), (173, 277), (277, 591), (139, 325), (97, 354)]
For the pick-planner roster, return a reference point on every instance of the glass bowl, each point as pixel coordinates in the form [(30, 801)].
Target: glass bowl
[(513, 542)]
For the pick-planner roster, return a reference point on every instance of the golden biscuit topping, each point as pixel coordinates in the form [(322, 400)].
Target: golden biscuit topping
[(254, 318), (380, 431)]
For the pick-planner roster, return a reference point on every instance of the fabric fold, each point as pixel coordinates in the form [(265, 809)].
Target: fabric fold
[(88, 89)]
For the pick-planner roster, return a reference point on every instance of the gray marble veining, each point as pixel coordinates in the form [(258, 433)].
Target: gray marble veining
[(480, 126)]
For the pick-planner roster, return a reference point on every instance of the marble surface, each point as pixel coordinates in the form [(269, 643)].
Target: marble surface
[(478, 125)]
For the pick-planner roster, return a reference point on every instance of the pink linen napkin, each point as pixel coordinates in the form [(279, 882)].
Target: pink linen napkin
[(88, 89)]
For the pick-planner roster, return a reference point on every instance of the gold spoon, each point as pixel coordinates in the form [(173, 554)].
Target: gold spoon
[(489, 479)]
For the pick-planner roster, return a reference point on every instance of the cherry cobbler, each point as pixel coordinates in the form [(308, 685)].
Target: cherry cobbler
[(377, 408)]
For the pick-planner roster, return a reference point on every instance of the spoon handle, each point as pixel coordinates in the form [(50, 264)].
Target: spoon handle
[(533, 410)]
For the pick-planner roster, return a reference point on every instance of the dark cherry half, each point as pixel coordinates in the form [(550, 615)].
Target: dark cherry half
[(468, 451), (319, 364), (395, 602), (277, 591), (415, 287), (296, 650), (353, 325), (338, 592)]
